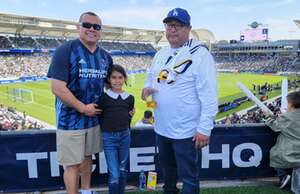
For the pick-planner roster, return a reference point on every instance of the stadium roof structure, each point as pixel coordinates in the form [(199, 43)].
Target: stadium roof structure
[(36, 26), (297, 22)]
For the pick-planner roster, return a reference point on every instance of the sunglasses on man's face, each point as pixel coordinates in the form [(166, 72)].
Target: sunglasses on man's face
[(89, 25)]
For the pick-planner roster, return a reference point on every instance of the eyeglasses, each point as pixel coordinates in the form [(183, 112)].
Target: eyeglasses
[(89, 25), (175, 26)]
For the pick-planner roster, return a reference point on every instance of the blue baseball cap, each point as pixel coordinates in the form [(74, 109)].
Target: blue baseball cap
[(180, 15)]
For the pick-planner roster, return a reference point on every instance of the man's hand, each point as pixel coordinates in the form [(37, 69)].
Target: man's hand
[(200, 140), (147, 92), (91, 110)]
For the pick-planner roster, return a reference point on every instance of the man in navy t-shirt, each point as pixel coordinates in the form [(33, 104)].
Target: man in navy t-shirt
[(78, 71)]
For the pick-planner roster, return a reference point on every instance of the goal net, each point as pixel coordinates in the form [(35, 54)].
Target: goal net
[(24, 96)]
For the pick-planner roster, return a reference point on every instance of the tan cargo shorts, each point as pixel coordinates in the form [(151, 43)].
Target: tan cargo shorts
[(73, 145)]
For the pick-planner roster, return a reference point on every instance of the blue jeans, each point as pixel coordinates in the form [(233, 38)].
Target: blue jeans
[(179, 153), (116, 149), (296, 180), (281, 172)]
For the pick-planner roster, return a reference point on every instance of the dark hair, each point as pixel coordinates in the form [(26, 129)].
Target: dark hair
[(147, 114), (294, 99), (87, 13), (117, 68)]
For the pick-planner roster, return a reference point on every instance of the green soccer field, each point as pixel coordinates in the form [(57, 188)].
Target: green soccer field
[(42, 106)]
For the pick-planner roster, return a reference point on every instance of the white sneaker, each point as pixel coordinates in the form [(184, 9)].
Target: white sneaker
[(285, 180)]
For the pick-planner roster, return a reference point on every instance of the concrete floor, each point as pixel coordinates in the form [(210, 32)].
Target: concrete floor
[(204, 184)]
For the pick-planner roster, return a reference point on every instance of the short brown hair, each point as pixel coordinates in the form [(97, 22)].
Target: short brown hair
[(148, 114), (87, 13), (294, 99)]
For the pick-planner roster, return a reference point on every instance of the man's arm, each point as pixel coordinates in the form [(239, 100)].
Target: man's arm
[(60, 90), (148, 90), (206, 87), (59, 74)]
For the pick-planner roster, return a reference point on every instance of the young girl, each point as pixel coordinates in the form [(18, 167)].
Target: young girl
[(117, 107)]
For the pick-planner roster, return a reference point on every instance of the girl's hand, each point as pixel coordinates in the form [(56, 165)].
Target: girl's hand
[(132, 112)]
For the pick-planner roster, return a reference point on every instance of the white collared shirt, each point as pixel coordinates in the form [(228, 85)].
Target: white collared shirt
[(115, 95)]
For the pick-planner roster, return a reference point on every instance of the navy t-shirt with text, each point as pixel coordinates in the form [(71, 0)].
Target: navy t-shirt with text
[(85, 74)]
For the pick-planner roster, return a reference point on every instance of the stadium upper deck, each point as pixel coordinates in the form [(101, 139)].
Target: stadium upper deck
[(280, 46), (289, 47), (17, 25), (297, 22)]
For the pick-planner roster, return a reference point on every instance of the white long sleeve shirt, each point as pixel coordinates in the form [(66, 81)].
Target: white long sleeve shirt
[(190, 103)]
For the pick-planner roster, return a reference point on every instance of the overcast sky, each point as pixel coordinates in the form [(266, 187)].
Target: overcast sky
[(225, 18)]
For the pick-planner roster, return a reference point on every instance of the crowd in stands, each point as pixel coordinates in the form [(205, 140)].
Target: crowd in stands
[(19, 42), (19, 65), (37, 64), (255, 115), (254, 63), (10, 120), (127, 47), (133, 62), (4, 43), (22, 42), (48, 43), (23, 65), (263, 63)]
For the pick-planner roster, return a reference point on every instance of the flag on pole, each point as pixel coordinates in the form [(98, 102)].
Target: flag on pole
[(284, 92)]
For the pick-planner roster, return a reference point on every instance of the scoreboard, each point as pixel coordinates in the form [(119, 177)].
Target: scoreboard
[(254, 34)]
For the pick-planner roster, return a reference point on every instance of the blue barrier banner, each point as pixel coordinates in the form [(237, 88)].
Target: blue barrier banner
[(28, 159), (24, 79)]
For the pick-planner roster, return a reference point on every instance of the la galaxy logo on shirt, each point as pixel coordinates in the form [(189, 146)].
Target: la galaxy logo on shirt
[(82, 61)]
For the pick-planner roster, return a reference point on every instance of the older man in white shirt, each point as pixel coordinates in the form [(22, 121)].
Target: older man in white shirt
[(182, 80)]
